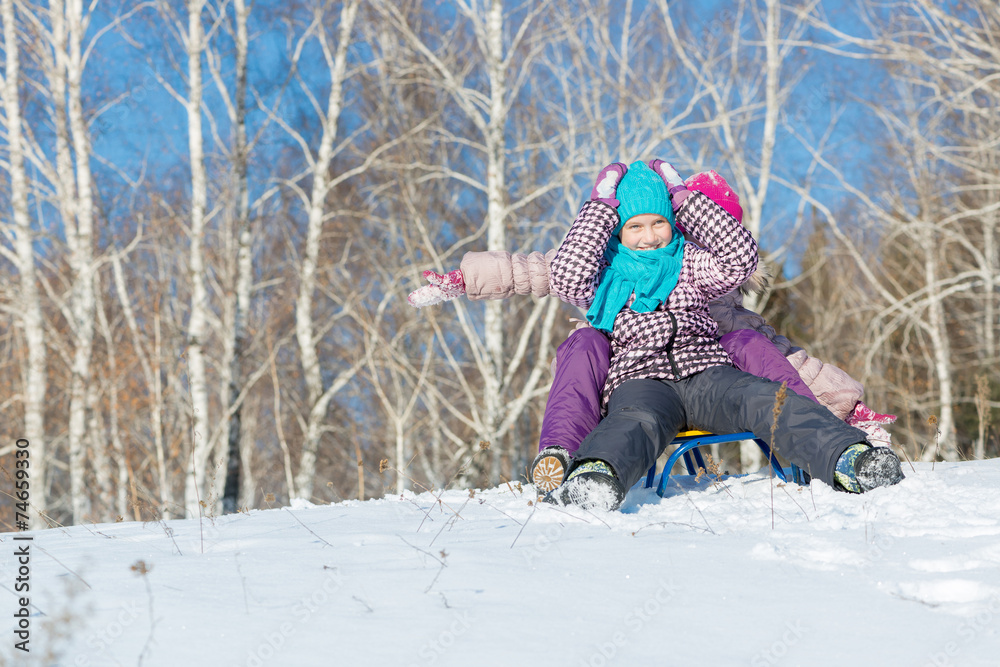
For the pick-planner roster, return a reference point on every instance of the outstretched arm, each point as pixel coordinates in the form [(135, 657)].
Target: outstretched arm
[(487, 275)]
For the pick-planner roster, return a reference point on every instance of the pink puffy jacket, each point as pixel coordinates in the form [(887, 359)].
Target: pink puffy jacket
[(498, 274)]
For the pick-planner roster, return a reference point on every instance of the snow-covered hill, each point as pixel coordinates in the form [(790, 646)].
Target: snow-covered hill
[(908, 575)]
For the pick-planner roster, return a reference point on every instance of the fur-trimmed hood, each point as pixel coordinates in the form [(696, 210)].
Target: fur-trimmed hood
[(760, 281)]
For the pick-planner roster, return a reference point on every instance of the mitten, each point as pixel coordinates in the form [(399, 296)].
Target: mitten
[(442, 288), (862, 413), (877, 435), (607, 184), (669, 175)]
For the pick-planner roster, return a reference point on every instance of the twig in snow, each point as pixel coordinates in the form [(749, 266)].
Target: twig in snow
[(444, 554), (307, 527), (63, 565), (520, 489), (427, 513), (423, 551), (909, 599), (555, 508), (367, 606), (523, 525), (483, 502), (907, 458), (434, 580), (779, 403), (670, 523), (785, 489), (450, 520), (597, 517), (690, 500), (384, 465), (811, 493), (932, 421), (16, 595), (170, 533), (239, 570), (143, 570)]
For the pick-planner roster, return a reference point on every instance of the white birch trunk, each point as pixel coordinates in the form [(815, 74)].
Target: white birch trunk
[(305, 330), (82, 262), (498, 355), (248, 484), (231, 492), (751, 458), (101, 462), (991, 276), (402, 455), (496, 235), (151, 373), (30, 307), (194, 487), (114, 495), (167, 503), (102, 487), (941, 348)]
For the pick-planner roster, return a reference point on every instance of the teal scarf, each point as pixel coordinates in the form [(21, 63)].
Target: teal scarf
[(650, 274)]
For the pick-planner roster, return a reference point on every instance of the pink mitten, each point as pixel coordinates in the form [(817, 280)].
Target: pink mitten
[(877, 435), (607, 184), (442, 288), (670, 177), (862, 413)]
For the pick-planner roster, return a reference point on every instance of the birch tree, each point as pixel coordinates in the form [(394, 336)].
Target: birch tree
[(23, 257), (62, 28), (942, 74), (236, 336), (197, 331), (319, 392), (150, 358), (482, 72)]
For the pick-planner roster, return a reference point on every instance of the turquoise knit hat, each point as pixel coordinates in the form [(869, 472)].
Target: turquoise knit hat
[(642, 190)]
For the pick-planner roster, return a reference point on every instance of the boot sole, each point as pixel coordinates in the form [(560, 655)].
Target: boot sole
[(878, 466), (548, 474), (590, 491)]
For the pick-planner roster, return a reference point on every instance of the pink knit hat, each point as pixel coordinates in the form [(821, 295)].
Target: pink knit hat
[(715, 188)]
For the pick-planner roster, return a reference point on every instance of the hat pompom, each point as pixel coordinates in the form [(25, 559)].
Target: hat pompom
[(715, 187)]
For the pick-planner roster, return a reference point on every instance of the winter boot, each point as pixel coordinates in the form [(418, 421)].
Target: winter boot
[(591, 485), (548, 470), (862, 468)]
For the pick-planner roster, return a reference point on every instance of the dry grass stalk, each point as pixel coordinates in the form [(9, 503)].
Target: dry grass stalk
[(779, 403), (983, 412)]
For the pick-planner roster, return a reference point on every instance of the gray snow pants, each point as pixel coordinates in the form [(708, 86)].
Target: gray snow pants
[(644, 416)]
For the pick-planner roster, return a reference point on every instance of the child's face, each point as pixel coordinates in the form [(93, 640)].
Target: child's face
[(646, 231)]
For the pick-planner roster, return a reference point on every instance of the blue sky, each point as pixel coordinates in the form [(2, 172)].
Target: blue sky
[(147, 126)]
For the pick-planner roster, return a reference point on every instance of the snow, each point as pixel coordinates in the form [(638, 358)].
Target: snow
[(908, 575)]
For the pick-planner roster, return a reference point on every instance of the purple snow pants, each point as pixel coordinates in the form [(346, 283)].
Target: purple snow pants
[(754, 353), (574, 406)]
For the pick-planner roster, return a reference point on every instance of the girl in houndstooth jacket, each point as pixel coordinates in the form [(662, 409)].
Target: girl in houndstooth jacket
[(653, 341), (624, 260), (573, 408)]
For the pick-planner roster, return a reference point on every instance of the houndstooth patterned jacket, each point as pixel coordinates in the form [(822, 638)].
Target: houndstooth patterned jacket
[(679, 338)]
